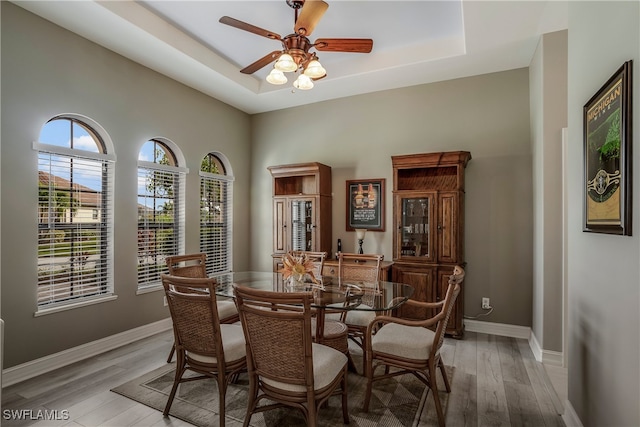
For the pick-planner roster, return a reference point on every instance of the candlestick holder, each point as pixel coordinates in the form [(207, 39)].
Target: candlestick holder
[(360, 232)]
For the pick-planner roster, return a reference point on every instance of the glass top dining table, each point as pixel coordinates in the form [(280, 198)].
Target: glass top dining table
[(329, 292)]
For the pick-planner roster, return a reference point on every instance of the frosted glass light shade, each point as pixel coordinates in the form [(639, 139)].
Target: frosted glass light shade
[(303, 82), (286, 63), (360, 232), (315, 70), (276, 77)]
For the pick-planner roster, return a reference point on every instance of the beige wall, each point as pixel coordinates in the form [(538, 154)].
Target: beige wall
[(548, 89), (487, 115), (604, 290), (47, 71)]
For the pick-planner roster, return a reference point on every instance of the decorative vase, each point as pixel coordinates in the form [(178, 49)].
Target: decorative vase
[(296, 283)]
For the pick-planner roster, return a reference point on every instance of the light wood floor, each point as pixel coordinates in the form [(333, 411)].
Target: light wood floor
[(496, 382)]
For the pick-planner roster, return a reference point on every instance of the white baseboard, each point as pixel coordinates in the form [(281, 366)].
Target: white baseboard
[(535, 347), (548, 357), (502, 329), (33, 368), (544, 356), (570, 417)]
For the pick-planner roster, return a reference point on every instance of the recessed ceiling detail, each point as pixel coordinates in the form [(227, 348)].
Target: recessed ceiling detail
[(416, 42)]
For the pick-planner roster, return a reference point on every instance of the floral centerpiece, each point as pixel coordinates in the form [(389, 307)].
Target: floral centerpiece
[(296, 267)]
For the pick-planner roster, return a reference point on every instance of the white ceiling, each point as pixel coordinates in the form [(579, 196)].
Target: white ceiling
[(414, 42)]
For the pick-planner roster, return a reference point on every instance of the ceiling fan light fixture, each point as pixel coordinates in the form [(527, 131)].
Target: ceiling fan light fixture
[(295, 51), (286, 64), (276, 77), (303, 82), (315, 70)]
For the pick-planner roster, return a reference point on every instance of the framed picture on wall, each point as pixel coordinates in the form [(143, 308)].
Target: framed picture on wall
[(607, 156), (365, 204)]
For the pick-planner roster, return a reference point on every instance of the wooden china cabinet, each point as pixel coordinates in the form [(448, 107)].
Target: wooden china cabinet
[(428, 218), (301, 209)]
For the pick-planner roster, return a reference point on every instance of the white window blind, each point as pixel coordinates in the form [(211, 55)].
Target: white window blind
[(160, 219), (75, 225), (216, 215)]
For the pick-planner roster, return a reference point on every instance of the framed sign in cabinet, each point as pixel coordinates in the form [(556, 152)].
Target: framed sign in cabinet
[(428, 219), (365, 204)]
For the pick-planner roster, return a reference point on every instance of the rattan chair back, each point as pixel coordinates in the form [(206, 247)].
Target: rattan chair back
[(281, 354), (189, 265), (277, 327), (192, 303), (363, 268), (317, 258), (194, 265), (199, 342)]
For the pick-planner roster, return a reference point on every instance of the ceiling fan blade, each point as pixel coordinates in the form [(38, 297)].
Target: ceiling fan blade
[(265, 60), (344, 45), (251, 28), (310, 15)]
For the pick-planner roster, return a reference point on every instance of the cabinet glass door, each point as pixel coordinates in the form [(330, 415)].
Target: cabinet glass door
[(414, 227), (302, 225)]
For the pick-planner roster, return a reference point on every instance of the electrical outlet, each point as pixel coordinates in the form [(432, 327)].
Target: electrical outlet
[(164, 301), (486, 304)]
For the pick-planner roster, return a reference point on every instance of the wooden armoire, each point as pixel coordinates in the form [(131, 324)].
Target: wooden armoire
[(428, 219), (301, 209)]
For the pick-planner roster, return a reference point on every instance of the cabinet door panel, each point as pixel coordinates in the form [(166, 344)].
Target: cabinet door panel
[(302, 223), (414, 234), (279, 225), (447, 227), (422, 280)]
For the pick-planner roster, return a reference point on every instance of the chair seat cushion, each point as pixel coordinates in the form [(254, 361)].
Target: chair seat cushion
[(359, 317), (327, 364), (334, 311), (333, 316), (226, 309), (411, 342), (233, 344)]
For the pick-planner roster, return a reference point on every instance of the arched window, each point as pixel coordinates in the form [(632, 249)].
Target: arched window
[(75, 212), (161, 189), (216, 191)]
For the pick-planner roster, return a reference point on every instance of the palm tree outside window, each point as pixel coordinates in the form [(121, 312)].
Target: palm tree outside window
[(161, 188), (216, 213)]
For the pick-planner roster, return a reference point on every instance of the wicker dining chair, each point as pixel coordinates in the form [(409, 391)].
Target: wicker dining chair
[(203, 345), (285, 365), (317, 258), (194, 265), (412, 346), (334, 332), (359, 267), (189, 265), (362, 270)]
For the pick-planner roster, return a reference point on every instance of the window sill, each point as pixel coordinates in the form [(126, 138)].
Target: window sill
[(45, 311), (149, 289)]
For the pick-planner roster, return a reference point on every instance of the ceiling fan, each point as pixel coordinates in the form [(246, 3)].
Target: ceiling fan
[(295, 53)]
